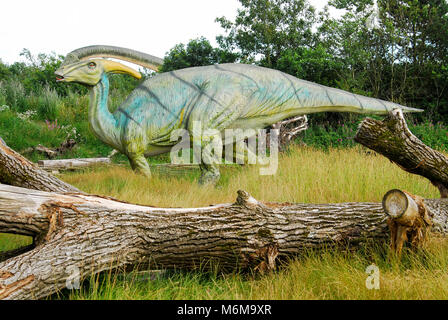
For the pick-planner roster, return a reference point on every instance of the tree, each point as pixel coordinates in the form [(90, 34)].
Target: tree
[(423, 43), (264, 29), (312, 64), (4, 71), (404, 59), (198, 52)]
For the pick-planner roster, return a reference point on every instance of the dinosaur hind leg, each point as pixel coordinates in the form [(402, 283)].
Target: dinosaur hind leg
[(140, 164)]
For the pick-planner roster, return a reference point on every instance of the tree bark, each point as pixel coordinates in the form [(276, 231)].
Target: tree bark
[(393, 139), (289, 129), (66, 164), (16, 170)]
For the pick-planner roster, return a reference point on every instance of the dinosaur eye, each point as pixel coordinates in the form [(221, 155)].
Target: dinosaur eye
[(92, 65)]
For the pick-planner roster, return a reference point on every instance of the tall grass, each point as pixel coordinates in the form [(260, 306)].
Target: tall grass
[(14, 95), (304, 175), (325, 274), (47, 106)]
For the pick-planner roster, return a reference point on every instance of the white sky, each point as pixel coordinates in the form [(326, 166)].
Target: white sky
[(151, 26)]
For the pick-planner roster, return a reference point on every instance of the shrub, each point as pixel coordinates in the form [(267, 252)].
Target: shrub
[(325, 136), (14, 95), (47, 106)]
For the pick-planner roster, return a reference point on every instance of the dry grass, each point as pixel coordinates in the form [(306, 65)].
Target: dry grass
[(304, 175), (327, 274)]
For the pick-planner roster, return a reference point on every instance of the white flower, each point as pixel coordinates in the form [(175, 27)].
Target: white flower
[(27, 115)]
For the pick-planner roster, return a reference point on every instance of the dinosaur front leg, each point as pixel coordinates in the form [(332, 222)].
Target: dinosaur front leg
[(139, 164), (209, 166), (210, 174)]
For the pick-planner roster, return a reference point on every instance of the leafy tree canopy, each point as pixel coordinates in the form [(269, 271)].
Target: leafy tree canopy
[(264, 29), (198, 52)]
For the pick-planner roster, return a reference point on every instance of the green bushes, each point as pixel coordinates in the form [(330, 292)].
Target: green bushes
[(51, 121), (325, 136), (434, 135), (13, 94), (47, 104)]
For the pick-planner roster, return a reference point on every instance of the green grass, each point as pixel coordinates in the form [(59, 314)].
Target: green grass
[(10, 242), (325, 274), (304, 175)]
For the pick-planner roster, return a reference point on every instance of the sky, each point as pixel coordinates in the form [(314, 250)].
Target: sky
[(150, 26)]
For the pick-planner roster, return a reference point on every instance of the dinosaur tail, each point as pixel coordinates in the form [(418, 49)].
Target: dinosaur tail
[(343, 101)]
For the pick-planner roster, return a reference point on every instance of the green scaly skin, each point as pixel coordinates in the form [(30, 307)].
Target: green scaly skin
[(227, 96)]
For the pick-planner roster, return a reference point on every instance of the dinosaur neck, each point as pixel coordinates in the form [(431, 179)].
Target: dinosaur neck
[(102, 122)]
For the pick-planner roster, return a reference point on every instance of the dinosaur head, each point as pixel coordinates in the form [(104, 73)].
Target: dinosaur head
[(89, 72)]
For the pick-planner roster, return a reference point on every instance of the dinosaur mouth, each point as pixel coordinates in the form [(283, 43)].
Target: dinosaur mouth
[(59, 78)]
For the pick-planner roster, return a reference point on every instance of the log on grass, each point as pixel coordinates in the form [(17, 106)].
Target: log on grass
[(51, 153), (91, 234), (392, 138), (65, 164), (16, 170), (46, 151), (410, 219)]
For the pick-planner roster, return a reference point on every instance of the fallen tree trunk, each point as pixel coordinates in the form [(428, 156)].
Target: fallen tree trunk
[(393, 139), (66, 164), (16, 170), (65, 146), (90, 234)]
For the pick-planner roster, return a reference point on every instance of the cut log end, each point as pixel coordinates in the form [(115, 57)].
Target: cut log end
[(399, 205), (395, 203), (408, 220)]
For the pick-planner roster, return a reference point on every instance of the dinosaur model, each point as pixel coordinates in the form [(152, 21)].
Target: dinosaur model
[(219, 96)]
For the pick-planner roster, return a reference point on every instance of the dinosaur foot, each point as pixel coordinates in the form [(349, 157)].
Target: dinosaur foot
[(209, 178)]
